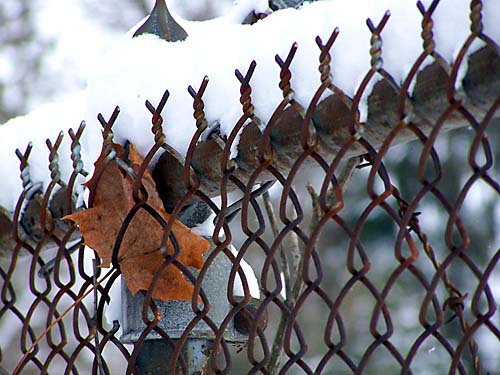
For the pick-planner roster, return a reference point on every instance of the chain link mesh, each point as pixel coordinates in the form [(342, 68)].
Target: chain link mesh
[(373, 255)]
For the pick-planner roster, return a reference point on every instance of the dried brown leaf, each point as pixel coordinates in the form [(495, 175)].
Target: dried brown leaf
[(139, 256)]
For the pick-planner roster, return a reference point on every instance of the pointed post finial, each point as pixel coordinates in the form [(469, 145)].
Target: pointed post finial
[(161, 23)]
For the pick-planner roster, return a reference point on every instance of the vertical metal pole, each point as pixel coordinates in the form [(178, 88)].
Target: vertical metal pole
[(155, 354)]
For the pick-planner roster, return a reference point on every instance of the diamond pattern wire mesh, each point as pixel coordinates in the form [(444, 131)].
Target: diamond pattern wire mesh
[(388, 257)]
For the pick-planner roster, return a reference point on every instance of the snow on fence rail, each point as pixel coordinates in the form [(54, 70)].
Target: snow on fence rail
[(319, 308)]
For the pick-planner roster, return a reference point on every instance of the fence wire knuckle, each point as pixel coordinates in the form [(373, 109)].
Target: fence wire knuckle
[(370, 256)]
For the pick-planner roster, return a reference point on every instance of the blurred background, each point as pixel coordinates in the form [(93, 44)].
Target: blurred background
[(48, 47)]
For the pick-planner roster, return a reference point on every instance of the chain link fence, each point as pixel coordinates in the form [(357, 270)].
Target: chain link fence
[(373, 254)]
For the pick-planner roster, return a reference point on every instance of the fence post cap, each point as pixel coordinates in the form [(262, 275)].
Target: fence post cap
[(161, 23)]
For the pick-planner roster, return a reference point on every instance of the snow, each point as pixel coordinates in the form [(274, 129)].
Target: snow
[(114, 310), (79, 43), (43, 123), (253, 284), (206, 229), (136, 69), (217, 48), (283, 285)]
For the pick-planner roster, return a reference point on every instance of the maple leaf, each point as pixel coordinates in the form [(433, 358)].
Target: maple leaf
[(139, 255)]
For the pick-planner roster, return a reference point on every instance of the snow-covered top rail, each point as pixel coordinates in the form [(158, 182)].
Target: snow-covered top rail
[(417, 94)]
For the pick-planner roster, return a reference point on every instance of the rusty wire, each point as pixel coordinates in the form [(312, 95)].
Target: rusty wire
[(317, 328)]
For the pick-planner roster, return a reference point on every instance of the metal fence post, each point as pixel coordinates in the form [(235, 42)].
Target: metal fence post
[(155, 354)]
